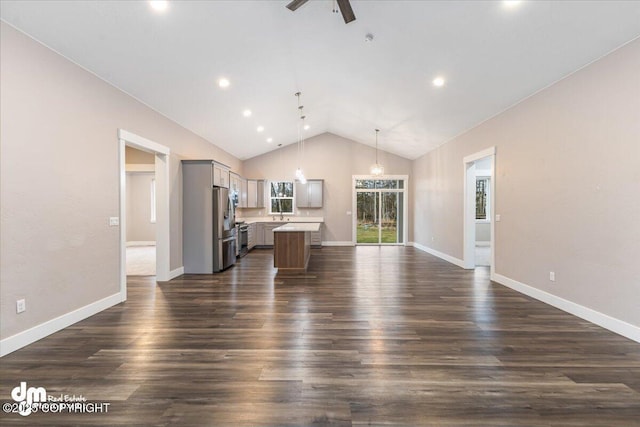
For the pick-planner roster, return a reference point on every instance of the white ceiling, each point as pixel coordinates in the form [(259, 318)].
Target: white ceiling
[(491, 55)]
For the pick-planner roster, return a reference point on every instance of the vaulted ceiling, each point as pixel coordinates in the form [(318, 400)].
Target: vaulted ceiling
[(491, 55)]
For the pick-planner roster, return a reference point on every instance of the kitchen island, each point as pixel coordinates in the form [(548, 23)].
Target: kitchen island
[(292, 246)]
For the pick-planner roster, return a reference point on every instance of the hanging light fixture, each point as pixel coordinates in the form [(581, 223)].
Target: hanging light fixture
[(299, 174), (377, 168)]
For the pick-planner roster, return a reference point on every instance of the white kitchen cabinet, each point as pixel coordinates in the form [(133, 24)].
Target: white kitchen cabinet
[(251, 235), (255, 193), (316, 238), (259, 235), (220, 175), (309, 195), (242, 202), (267, 230), (234, 182)]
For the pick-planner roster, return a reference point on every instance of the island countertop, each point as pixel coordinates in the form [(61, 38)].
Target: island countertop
[(300, 226)]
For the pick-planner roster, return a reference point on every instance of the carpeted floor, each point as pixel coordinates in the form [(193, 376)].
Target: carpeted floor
[(141, 260)]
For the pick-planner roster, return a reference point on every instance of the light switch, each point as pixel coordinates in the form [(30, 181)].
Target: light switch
[(497, 217), (114, 221), (348, 212)]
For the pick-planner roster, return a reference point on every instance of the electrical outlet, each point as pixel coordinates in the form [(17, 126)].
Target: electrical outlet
[(497, 217), (21, 305), (552, 276), (433, 239), (114, 221)]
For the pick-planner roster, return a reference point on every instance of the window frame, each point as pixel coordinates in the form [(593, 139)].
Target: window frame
[(487, 207), (292, 198)]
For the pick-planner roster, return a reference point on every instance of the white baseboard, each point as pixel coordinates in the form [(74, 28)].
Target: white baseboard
[(483, 243), (439, 254), (22, 339), (141, 243), (175, 273), (615, 325), (337, 243)]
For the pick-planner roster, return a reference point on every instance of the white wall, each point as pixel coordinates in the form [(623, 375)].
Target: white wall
[(483, 232), (334, 159), (139, 225), (56, 247), (567, 188)]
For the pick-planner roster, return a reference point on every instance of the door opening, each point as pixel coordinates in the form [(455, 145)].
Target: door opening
[(380, 214), (161, 169), (140, 212), (479, 210)]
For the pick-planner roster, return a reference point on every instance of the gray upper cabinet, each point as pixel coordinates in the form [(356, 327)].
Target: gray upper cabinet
[(309, 195), (234, 182), (243, 193), (220, 175), (255, 193)]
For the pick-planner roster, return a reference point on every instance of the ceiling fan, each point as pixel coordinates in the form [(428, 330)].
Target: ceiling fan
[(345, 9)]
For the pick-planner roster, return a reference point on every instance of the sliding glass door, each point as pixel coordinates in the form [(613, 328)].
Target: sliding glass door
[(368, 228), (379, 211)]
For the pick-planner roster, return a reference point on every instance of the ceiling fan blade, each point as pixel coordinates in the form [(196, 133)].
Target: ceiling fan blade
[(346, 10), (296, 4)]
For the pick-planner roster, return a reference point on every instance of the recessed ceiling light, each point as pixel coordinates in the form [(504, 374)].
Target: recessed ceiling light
[(159, 5), (438, 82), (269, 140), (260, 128), (246, 113), (306, 127), (512, 3), (223, 82)]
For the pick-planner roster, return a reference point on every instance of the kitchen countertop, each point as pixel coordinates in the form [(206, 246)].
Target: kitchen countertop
[(301, 226), (285, 220)]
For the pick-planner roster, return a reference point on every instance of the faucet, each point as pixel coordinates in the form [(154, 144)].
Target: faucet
[(281, 216)]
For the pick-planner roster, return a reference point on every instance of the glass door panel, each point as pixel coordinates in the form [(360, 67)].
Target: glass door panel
[(368, 229), (380, 211), (389, 217)]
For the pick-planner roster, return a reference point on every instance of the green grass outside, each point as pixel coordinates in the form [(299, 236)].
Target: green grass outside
[(370, 234)]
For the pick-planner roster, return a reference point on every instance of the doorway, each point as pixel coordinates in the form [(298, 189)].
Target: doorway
[(483, 212), (161, 187), (479, 210), (140, 212), (380, 214)]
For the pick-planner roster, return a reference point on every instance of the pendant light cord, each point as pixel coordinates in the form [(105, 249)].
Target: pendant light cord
[(299, 173), (300, 130)]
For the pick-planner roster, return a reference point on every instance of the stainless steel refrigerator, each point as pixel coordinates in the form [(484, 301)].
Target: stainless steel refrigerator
[(208, 221)]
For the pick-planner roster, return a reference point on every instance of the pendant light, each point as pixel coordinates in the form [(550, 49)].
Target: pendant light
[(377, 169), (299, 174)]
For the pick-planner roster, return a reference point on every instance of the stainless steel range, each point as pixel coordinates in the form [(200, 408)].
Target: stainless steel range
[(243, 239)]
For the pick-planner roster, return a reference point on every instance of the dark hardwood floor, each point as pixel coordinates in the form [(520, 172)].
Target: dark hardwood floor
[(368, 336)]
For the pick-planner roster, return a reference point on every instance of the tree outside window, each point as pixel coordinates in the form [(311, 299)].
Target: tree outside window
[(482, 198)]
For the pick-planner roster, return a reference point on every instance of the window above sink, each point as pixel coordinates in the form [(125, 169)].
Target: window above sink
[(281, 198)]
